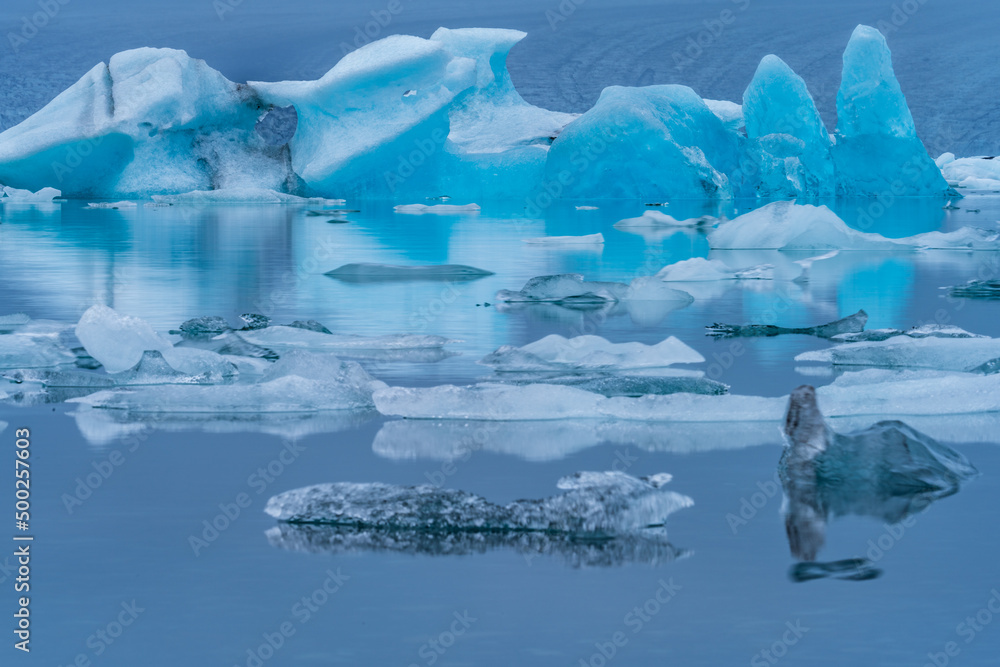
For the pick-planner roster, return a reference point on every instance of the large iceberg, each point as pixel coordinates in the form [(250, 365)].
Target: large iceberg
[(788, 147), (405, 116), (877, 150)]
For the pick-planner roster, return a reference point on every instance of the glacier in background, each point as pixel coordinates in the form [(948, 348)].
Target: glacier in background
[(407, 116)]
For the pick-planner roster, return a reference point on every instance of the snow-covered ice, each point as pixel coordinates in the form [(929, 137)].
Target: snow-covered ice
[(699, 269), (905, 351), (17, 196), (970, 173), (554, 352)]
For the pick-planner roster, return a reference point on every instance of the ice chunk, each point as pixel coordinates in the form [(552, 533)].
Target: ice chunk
[(555, 352), (310, 325), (573, 290), (977, 289), (240, 195), (16, 196), (683, 382), (786, 139), (13, 321), (730, 113), (888, 471), (535, 402), (910, 392), (649, 548), (112, 205), (699, 269), (298, 382), (877, 149), (957, 354), (587, 208), (657, 142), (59, 378), (119, 341), (437, 209), (852, 324), (589, 239), (284, 338), (971, 173), (656, 219), (153, 369), (789, 226), (594, 503), (209, 324), (923, 331), (363, 273)]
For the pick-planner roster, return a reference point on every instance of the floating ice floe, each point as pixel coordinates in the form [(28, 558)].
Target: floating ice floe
[(593, 503), (240, 195), (12, 321), (970, 173), (118, 342), (590, 239), (887, 471), (977, 289), (699, 269), (363, 273), (112, 205), (905, 351), (298, 382), (587, 208), (286, 337), (572, 290), (852, 324), (17, 196), (923, 331), (555, 352), (656, 219), (19, 350), (437, 209), (669, 381), (790, 226)]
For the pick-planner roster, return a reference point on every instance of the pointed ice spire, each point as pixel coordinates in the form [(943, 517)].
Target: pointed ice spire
[(870, 100)]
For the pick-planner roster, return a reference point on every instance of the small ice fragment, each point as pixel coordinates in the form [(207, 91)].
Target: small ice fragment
[(555, 352), (590, 239), (437, 209)]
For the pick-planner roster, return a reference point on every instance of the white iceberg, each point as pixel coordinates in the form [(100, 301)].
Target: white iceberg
[(656, 219), (589, 239), (112, 205), (573, 290), (16, 196), (555, 352), (910, 393), (285, 338), (437, 209), (790, 226), (970, 173), (30, 351)]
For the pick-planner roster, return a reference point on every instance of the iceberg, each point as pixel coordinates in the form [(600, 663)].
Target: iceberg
[(29, 351), (888, 471), (593, 504), (904, 351), (877, 151), (555, 352), (657, 142), (111, 205), (790, 226), (589, 239), (788, 147), (610, 384), (572, 290), (908, 393), (923, 331), (59, 378), (852, 324), (970, 173), (290, 338), (150, 121), (366, 273)]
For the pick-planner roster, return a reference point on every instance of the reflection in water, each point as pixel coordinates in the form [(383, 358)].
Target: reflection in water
[(888, 471), (651, 547)]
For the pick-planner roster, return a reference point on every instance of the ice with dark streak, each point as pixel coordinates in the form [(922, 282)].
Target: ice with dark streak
[(593, 503)]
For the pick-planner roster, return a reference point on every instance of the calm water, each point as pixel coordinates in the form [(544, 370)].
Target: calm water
[(732, 595)]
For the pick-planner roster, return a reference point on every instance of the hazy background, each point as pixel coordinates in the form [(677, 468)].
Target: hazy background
[(946, 53)]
